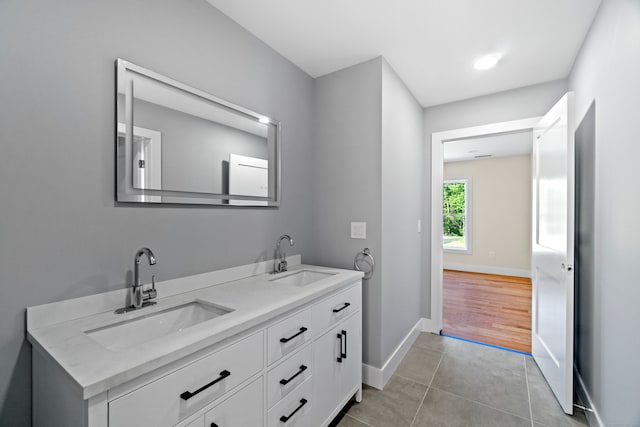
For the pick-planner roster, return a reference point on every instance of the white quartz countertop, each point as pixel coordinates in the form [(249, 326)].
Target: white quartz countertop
[(95, 368)]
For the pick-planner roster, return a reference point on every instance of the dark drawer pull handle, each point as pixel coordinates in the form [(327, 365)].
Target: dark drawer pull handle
[(214, 425), (302, 331), (345, 344), (188, 394), (302, 369), (339, 358), (338, 310), (284, 419)]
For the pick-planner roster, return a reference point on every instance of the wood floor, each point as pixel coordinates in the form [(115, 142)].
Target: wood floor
[(488, 308)]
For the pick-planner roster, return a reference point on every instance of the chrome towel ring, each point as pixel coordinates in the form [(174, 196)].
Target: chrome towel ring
[(363, 255)]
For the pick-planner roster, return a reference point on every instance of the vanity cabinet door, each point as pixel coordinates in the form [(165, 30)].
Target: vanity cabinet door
[(326, 374), (351, 367), (337, 367), (243, 409)]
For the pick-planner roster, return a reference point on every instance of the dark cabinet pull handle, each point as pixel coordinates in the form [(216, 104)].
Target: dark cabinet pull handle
[(338, 310), (284, 418), (302, 369), (339, 358), (345, 344), (214, 425), (189, 394), (300, 332)]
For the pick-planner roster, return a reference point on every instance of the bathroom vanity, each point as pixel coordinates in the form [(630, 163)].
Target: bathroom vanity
[(238, 347)]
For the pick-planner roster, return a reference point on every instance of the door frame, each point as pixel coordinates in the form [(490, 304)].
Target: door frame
[(434, 324)]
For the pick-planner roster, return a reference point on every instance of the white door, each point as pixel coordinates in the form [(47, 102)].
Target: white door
[(552, 260), (248, 176)]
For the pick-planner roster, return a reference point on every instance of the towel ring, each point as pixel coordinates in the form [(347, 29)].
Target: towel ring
[(365, 253)]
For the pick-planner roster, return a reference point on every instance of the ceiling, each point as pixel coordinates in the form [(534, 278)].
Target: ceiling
[(431, 44), (503, 145)]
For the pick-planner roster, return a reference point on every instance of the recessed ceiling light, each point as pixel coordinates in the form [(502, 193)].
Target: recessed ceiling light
[(487, 61), (264, 120)]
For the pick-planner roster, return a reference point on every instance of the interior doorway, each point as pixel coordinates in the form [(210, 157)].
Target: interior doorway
[(490, 134), (486, 239)]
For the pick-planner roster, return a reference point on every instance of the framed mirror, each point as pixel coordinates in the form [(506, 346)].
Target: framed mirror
[(178, 144)]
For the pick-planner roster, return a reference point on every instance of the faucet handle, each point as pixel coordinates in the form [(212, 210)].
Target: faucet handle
[(150, 294)]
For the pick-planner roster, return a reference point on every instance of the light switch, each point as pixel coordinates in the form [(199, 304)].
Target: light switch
[(419, 226), (358, 230)]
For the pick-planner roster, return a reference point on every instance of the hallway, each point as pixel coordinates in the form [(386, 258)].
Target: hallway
[(447, 382), (488, 308)]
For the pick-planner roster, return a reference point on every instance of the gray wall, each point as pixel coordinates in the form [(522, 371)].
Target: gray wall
[(347, 181), (605, 79), (530, 101), (61, 235), (402, 147), (368, 167)]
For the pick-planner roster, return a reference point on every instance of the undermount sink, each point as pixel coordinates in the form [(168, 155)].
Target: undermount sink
[(138, 330), (302, 278)]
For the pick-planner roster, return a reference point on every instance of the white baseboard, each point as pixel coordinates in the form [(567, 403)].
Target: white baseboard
[(372, 376), (488, 269), (377, 378), (429, 325), (593, 417)]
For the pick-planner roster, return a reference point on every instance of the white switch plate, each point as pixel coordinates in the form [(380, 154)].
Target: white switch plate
[(358, 230), (419, 226)]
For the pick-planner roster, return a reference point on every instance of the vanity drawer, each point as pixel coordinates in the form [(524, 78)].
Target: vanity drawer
[(295, 409), (244, 408), (336, 308), (181, 393), (286, 336), (293, 372)]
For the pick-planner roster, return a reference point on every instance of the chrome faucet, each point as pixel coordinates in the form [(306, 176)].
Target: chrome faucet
[(139, 296), (281, 257)]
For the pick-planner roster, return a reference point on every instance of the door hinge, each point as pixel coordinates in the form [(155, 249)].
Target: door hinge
[(141, 164)]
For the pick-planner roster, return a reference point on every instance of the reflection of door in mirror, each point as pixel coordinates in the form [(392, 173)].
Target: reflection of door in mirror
[(248, 176), (147, 160)]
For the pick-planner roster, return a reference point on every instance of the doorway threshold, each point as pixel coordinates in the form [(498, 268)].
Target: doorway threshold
[(487, 345)]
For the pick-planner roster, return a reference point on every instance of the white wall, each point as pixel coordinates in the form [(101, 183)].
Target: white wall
[(61, 233), (402, 148), (531, 101), (500, 212), (606, 81)]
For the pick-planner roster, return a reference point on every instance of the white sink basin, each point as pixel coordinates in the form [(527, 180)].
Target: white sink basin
[(132, 332), (302, 277)]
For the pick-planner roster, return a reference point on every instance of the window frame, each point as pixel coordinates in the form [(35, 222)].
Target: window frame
[(466, 180)]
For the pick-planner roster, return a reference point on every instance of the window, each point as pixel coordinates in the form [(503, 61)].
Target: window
[(456, 215)]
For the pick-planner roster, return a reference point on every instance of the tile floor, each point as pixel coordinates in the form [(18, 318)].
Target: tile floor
[(447, 382)]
